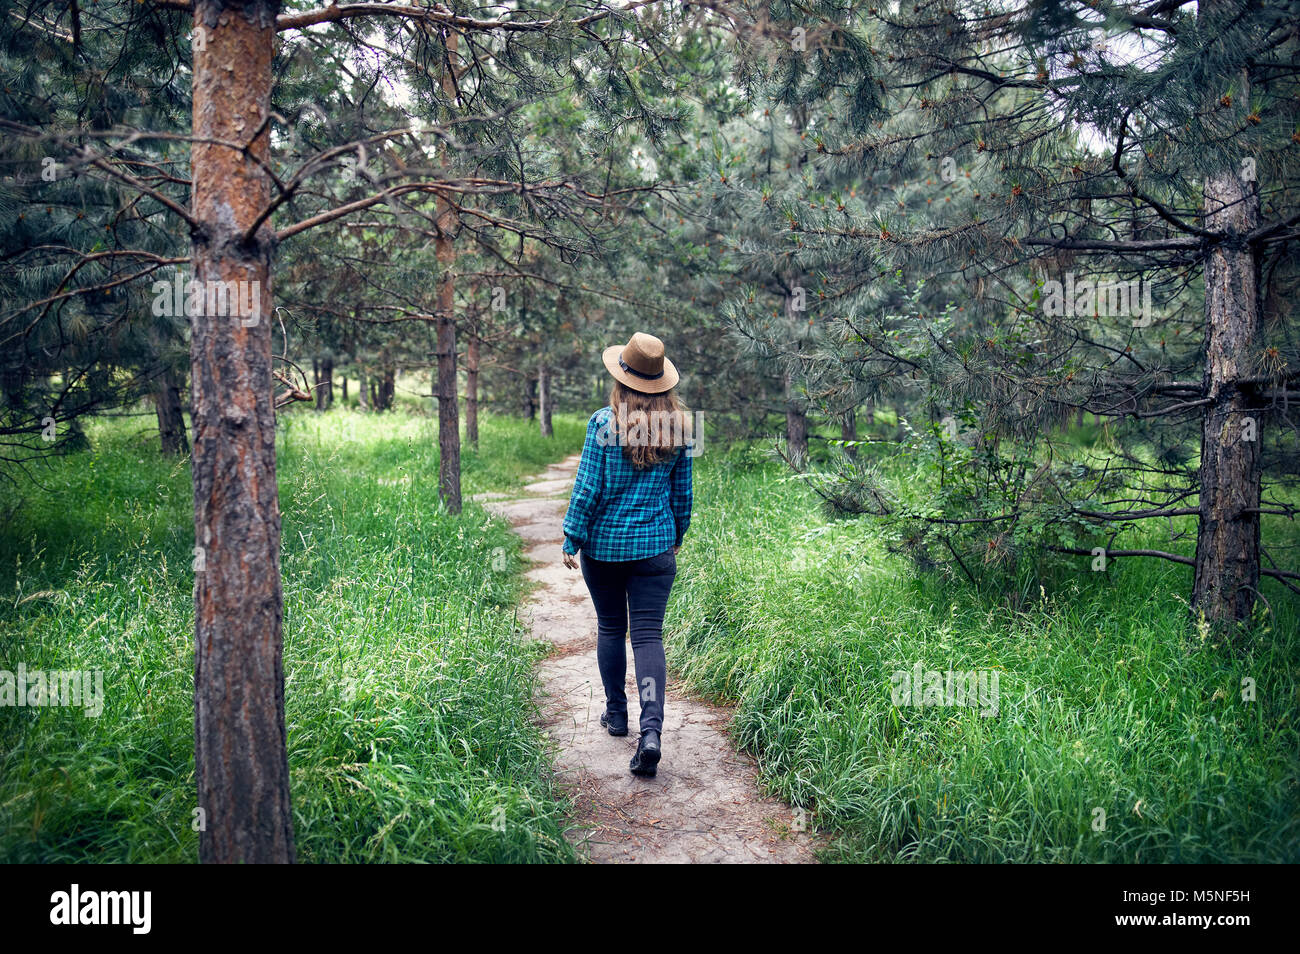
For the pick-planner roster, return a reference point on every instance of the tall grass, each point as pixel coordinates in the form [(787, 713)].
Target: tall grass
[(408, 683), (1121, 735)]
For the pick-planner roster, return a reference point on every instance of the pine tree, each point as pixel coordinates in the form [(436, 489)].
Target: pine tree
[(1071, 150)]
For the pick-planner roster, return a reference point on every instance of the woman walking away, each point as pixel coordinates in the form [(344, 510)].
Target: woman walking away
[(629, 511)]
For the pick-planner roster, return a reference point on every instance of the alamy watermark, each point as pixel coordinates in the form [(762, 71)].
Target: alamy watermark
[(36, 688), (975, 688), (1100, 299), (209, 299), (654, 429), (77, 906)]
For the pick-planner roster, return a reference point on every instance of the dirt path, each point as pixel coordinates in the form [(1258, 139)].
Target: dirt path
[(704, 805)]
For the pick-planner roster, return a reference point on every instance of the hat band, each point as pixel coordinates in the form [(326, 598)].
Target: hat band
[(640, 374)]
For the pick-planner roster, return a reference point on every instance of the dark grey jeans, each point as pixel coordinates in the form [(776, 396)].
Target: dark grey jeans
[(635, 592)]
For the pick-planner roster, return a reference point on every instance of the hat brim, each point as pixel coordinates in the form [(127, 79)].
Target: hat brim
[(657, 386)]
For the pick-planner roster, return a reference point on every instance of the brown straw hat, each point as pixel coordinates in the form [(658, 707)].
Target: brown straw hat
[(641, 365)]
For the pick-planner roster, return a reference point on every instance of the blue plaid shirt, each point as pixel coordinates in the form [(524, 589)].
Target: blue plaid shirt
[(617, 512)]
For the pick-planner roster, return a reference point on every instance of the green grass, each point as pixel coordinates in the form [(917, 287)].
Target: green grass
[(408, 684), (1108, 698)]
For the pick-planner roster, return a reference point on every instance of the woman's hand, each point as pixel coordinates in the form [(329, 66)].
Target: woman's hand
[(571, 560), (676, 550)]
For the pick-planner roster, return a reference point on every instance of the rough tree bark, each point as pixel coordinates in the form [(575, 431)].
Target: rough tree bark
[(363, 389), (1227, 541), (239, 737), (171, 416), (448, 412)]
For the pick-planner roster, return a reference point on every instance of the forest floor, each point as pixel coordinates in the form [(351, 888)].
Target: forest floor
[(705, 804)]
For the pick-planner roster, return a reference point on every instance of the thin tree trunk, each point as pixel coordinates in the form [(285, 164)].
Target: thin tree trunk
[(548, 407), (171, 416), (471, 389), (530, 398), (448, 413), (363, 390), (796, 424), (325, 393), (849, 431), (544, 398), (240, 759), (345, 389), (1227, 541)]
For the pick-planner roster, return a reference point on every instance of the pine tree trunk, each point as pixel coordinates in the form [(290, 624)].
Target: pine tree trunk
[(325, 393), (448, 412), (471, 389), (171, 416), (849, 431), (387, 386), (363, 390), (1227, 541), (345, 390), (240, 760), (796, 424), (544, 398), (530, 398)]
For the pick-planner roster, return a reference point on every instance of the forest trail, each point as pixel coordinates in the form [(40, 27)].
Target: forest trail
[(704, 805)]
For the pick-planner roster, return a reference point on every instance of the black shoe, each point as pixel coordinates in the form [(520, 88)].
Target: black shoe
[(646, 760), (617, 724)]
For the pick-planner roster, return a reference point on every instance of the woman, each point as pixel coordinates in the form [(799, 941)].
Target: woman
[(629, 511)]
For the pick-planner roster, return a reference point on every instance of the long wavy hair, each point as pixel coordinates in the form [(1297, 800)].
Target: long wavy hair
[(650, 427)]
